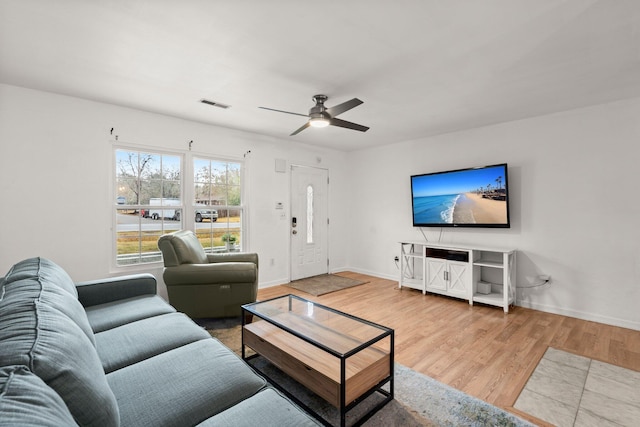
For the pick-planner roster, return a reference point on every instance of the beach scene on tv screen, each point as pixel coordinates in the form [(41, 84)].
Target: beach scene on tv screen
[(472, 196)]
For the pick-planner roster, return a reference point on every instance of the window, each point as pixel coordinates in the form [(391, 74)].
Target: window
[(154, 196), (218, 197), (148, 203), (309, 214)]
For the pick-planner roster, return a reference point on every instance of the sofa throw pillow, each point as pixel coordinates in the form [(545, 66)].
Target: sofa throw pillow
[(25, 400)]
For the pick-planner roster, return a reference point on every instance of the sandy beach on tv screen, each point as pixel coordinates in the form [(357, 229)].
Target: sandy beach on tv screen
[(475, 209)]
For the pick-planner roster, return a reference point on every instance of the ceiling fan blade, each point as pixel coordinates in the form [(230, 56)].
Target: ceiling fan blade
[(345, 106), (348, 125), (282, 111), (300, 129)]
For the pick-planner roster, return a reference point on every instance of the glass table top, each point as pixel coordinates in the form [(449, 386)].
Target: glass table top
[(337, 332)]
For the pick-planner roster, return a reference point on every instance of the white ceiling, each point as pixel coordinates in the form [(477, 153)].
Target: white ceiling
[(422, 67)]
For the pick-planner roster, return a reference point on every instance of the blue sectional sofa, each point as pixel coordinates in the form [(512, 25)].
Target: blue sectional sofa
[(113, 353)]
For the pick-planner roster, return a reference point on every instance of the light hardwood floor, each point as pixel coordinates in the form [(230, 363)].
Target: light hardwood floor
[(477, 349)]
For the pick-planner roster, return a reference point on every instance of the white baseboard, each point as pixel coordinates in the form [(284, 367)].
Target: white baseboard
[(581, 315), (370, 273), (271, 283)]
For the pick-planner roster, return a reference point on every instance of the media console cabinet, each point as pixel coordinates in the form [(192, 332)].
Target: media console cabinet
[(477, 274)]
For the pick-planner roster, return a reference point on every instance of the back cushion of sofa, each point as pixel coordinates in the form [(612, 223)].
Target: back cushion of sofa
[(58, 289), (40, 329), (25, 400)]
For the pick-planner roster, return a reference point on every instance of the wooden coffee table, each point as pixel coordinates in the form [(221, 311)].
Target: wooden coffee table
[(339, 357)]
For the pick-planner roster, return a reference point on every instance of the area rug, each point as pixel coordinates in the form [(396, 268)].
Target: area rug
[(324, 284), (418, 399)]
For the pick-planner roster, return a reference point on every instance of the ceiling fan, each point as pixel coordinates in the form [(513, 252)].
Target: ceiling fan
[(321, 116)]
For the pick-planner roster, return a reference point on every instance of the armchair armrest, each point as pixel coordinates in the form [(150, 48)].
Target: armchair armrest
[(233, 257), (110, 289), (205, 274)]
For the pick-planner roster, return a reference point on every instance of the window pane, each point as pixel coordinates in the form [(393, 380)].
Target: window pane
[(219, 172), (233, 176), (149, 166), (151, 189), (135, 244), (218, 195), (201, 170), (309, 214), (233, 195), (171, 189), (125, 190), (126, 164), (171, 168)]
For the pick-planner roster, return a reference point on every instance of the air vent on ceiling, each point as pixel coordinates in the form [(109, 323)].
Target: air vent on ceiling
[(215, 104)]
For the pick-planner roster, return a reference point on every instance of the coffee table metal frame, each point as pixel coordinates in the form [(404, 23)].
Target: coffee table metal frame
[(343, 357)]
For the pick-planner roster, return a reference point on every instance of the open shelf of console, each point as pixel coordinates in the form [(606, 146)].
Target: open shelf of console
[(412, 266), (477, 274)]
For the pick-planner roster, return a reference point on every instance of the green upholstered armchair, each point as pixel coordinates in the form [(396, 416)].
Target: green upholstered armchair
[(207, 285)]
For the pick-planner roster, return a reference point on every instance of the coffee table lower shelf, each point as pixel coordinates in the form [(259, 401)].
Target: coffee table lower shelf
[(356, 377)]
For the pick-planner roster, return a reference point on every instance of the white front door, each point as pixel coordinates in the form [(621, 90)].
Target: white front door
[(309, 222)]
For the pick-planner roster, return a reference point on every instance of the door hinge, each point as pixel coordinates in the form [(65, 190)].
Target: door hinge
[(327, 221)]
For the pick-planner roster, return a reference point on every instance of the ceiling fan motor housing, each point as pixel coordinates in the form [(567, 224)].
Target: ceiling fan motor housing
[(319, 110)]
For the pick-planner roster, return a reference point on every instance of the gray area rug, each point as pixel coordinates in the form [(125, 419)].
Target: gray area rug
[(324, 284), (419, 400)]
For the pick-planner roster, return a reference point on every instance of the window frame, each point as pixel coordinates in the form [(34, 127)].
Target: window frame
[(242, 207), (187, 199)]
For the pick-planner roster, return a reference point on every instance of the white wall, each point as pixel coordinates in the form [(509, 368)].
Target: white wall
[(575, 208), (55, 181), (573, 180)]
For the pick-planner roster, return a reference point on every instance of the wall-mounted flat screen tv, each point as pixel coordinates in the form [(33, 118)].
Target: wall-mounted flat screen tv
[(474, 197)]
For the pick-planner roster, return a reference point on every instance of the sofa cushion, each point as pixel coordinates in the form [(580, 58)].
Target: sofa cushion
[(39, 333), (267, 408), (183, 386), (45, 269), (113, 314), (219, 273), (43, 279), (25, 400), (136, 341)]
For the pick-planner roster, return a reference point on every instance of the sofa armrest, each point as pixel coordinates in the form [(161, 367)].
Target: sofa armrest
[(207, 274), (233, 257), (111, 289)]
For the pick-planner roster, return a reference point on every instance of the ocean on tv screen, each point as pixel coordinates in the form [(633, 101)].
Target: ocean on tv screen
[(465, 197), (434, 209), (460, 209)]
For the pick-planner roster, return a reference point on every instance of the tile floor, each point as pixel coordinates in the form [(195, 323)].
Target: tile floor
[(570, 390)]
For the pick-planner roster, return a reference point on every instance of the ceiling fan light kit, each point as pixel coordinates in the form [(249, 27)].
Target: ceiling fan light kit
[(321, 116), (320, 121)]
